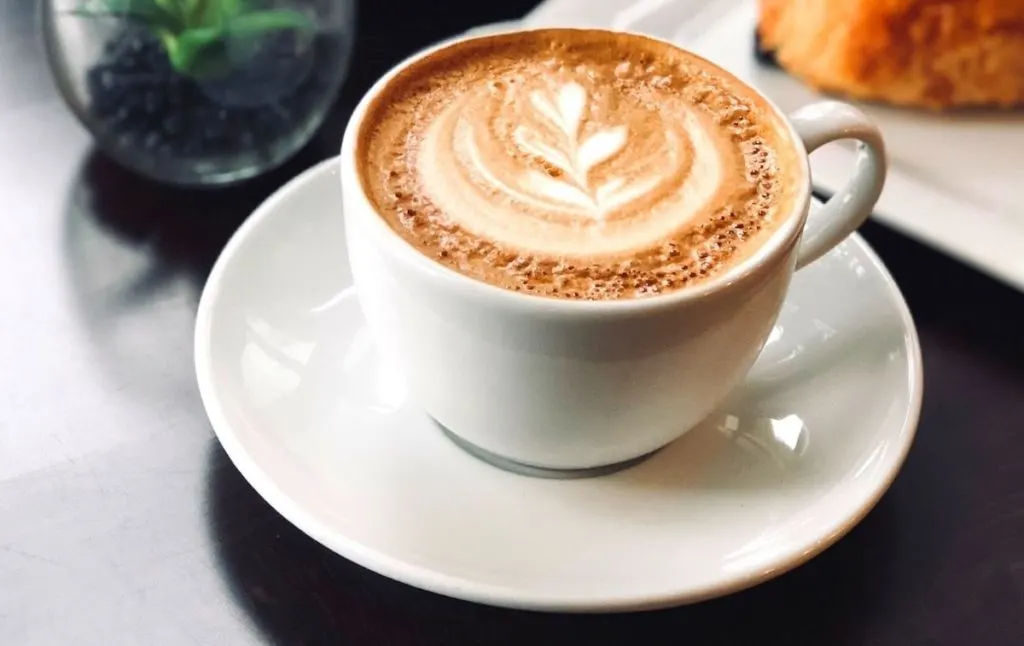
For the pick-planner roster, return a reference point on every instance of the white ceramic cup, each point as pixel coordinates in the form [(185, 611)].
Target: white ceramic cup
[(569, 384)]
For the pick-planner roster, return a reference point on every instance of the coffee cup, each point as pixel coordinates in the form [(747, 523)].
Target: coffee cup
[(576, 384)]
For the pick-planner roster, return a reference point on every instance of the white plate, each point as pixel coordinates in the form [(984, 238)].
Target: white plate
[(955, 181), (327, 436)]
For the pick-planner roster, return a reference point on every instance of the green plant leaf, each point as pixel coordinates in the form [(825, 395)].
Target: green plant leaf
[(189, 8), (194, 12), (213, 13), (175, 8), (203, 38), (259, 23), (197, 52)]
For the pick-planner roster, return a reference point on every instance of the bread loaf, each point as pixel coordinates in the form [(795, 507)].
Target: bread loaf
[(935, 54)]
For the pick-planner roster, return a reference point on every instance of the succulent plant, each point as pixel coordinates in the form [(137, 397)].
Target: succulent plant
[(203, 38)]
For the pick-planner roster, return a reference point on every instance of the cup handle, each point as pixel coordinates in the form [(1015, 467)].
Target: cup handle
[(821, 123)]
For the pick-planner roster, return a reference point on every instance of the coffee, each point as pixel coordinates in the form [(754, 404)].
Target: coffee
[(579, 164)]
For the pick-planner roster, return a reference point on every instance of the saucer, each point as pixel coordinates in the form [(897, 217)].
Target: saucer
[(327, 434)]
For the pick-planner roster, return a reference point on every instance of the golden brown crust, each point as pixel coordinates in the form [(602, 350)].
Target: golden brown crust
[(929, 53)]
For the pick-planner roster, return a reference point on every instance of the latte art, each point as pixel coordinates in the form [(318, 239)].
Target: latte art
[(552, 166), (585, 168), (574, 158), (557, 143), (577, 157)]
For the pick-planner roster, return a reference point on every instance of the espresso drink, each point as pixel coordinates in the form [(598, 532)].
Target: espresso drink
[(578, 164)]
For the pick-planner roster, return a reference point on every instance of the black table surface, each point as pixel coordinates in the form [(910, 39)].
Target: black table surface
[(123, 522)]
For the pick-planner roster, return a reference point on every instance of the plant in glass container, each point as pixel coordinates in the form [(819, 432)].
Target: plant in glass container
[(202, 38), (200, 91)]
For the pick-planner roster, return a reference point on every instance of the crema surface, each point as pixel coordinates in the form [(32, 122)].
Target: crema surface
[(576, 163)]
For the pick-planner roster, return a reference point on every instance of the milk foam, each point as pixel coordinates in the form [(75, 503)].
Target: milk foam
[(535, 186), (574, 163)]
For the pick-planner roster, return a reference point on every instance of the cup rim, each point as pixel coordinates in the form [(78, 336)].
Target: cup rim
[(779, 241)]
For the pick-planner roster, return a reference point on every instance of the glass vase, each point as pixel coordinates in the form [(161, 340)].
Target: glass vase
[(199, 92)]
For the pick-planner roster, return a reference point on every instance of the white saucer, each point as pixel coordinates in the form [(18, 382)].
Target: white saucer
[(327, 436)]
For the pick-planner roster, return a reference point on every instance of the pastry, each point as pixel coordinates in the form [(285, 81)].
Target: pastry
[(935, 54)]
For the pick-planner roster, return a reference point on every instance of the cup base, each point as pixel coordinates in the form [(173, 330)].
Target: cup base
[(534, 471)]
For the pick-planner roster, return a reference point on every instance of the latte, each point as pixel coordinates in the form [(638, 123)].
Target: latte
[(578, 164)]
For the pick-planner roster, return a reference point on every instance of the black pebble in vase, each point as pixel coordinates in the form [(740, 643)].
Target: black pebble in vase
[(136, 94)]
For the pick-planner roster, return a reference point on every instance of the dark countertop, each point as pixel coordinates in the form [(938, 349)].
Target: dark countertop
[(123, 522)]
